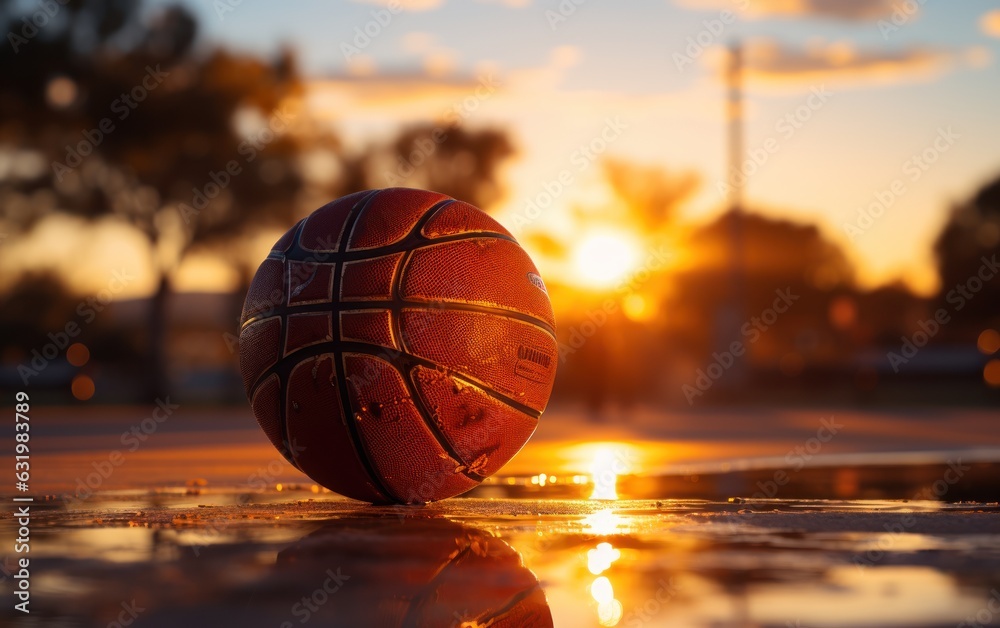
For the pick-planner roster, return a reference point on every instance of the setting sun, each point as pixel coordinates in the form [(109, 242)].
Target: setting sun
[(602, 259)]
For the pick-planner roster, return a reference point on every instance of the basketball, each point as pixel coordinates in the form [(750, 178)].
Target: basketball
[(406, 572), (397, 346)]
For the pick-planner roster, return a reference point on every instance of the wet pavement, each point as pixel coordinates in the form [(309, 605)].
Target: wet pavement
[(183, 557)]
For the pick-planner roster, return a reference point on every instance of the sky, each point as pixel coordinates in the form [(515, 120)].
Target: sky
[(848, 103)]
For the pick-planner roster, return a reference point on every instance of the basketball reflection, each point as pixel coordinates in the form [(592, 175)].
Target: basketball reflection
[(409, 572)]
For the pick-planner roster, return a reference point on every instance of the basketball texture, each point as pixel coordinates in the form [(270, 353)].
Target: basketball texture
[(397, 345)]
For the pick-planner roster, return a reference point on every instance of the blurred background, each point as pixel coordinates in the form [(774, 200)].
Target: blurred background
[(748, 213)]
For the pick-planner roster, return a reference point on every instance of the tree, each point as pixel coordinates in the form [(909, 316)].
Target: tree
[(451, 160), (110, 116), (971, 234), (651, 196), (782, 261)]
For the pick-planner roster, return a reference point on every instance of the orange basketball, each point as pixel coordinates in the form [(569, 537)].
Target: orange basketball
[(408, 572), (398, 345)]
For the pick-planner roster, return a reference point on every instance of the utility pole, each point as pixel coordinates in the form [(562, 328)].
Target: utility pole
[(733, 316)]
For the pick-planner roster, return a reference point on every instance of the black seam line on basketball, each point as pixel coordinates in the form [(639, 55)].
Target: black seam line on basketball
[(407, 373), (338, 355), (513, 403), (283, 309), (299, 253), (455, 306), (300, 227), (286, 440), (389, 354), (420, 598), (488, 617), (328, 257), (285, 450), (270, 311), (416, 231), (302, 286), (434, 429), (284, 367)]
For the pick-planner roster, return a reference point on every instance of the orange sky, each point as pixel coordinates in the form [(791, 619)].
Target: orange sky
[(636, 89)]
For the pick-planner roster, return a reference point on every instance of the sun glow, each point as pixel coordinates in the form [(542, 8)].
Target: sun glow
[(603, 522), (604, 258), (599, 559), (609, 610), (605, 475), (608, 461)]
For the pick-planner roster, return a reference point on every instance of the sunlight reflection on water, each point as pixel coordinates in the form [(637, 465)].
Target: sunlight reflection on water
[(629, 563)]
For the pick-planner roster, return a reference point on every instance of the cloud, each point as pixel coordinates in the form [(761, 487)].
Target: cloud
[(990, 23), (840, 62), (407, 5), (854, 10), (374, 98)]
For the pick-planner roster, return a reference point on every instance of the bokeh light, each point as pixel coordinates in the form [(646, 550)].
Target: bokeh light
[(60, 92), (989, 341), (991, 373), (843, 312), (82, 387), (609, 610), (78, 354), (637, 308), (600, 558)]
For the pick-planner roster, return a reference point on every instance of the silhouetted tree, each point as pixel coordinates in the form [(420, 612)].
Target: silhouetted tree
[(451, 160), (108, 115), (971, 234), (650, 196)]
